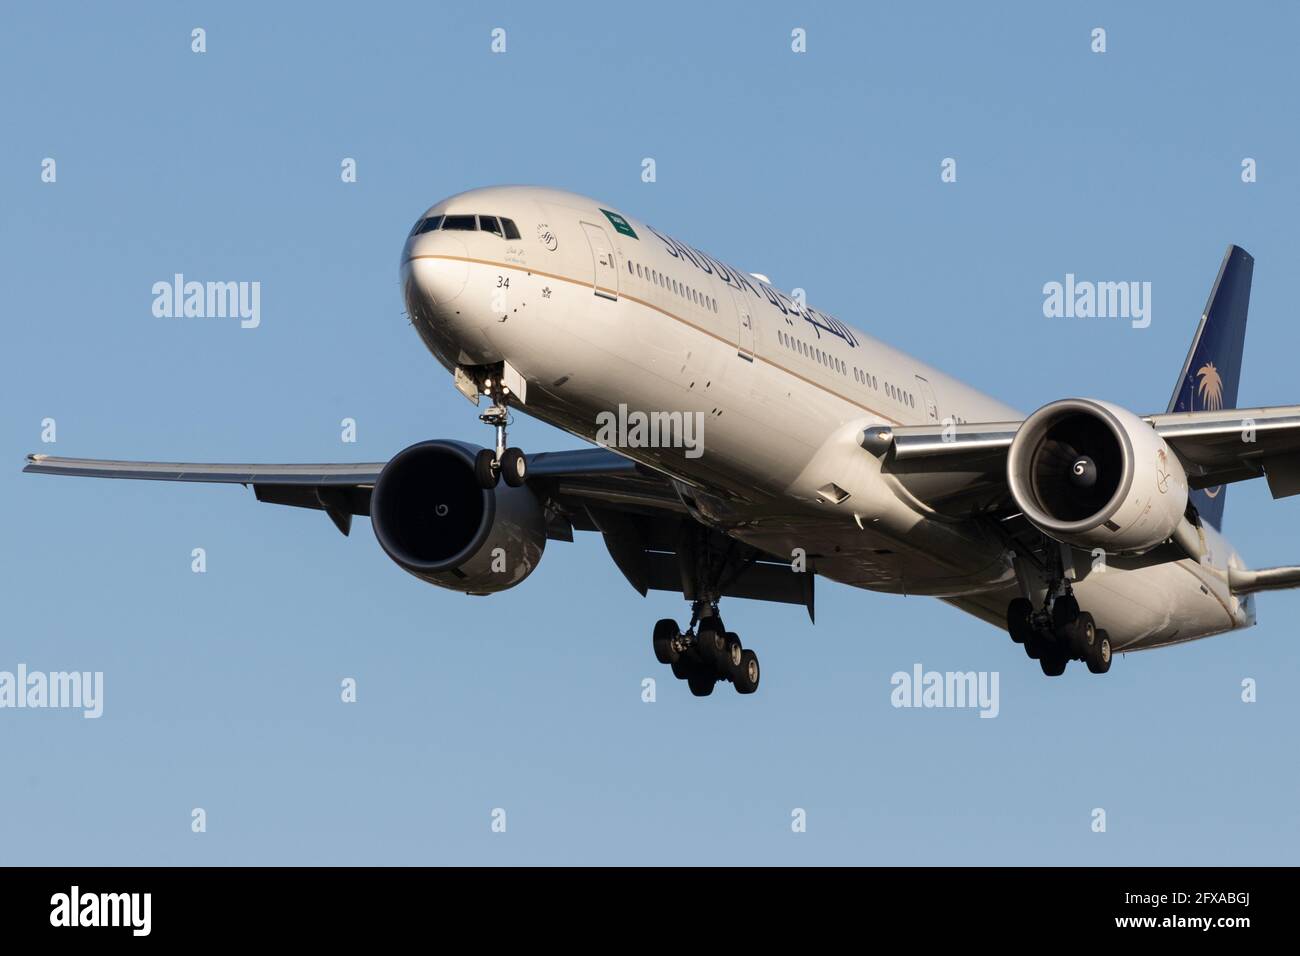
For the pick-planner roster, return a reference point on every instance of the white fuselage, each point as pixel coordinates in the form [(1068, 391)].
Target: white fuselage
[(597, 311)]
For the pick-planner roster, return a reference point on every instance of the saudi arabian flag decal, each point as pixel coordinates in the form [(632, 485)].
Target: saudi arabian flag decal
[(619, 223)]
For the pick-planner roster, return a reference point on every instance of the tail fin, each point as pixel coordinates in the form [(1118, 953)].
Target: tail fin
[(1213, 368)]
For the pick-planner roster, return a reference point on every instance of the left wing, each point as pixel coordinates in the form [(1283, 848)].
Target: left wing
[(647, 529), (343, 490)]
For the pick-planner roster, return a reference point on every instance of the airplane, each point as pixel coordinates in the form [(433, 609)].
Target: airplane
[(747, 443)]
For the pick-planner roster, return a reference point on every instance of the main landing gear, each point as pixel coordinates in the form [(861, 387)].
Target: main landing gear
[(508, 463), (1058, 633), (706, 653)]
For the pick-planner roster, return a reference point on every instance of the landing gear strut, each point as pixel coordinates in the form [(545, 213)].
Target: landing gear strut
[(706, 653), (1058, 632), (509, 463)]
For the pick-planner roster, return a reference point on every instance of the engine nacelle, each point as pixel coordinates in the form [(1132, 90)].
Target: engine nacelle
[(432, 517), (1094, 475)]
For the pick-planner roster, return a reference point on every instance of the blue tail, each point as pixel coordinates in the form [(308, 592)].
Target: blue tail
[(1213, 367)]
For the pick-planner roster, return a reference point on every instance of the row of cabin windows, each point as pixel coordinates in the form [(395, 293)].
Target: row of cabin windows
[(865, 378), (507, 229), (821, 356), (900, 396), (497, 225), (812, 352), (655, 277), (833, 362)]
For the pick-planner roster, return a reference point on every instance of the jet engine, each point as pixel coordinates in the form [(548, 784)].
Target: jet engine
[(433, 518), (1094, 475)]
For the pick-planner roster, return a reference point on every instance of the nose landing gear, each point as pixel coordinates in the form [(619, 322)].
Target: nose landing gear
[(490, 466), (706, 653)]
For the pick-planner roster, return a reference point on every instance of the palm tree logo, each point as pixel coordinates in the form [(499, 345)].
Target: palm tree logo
[(1210, 389)]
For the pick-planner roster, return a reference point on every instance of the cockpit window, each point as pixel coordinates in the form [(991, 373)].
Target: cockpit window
[(505, 228)]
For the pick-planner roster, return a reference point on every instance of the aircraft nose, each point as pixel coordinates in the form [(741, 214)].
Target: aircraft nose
[(437, 267)]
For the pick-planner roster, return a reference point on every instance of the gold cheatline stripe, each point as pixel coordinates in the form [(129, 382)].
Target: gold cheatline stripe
[(671, 315), (711, 334)]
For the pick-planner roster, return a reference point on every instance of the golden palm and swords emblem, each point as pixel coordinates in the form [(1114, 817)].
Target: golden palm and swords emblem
[(1210, 393)]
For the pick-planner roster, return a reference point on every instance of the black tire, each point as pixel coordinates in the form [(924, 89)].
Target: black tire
[(485, 471), (1053, 663), (711, 643), (732, 653), (1083, 634), (683, 668), (664, 634), (1098, 660), (701, 685), (1019, 612), (1064, 611), (748, 674), (1034, 647), (514, 468)]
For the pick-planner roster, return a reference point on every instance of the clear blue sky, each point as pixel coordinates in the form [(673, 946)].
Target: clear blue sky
[(821, 170)]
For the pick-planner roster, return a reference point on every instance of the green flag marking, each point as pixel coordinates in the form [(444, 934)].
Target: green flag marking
[(620, 224)]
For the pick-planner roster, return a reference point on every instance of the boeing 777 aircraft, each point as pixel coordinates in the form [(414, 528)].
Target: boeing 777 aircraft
[(754, 443)]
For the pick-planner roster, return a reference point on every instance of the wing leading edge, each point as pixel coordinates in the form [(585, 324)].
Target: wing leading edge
[(340, 490), (1215, 448), (649, 532), (343, 490)]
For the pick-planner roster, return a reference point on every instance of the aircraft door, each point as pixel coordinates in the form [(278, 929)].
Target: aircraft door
[(744, 324), (927, 396), (604, 267)]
